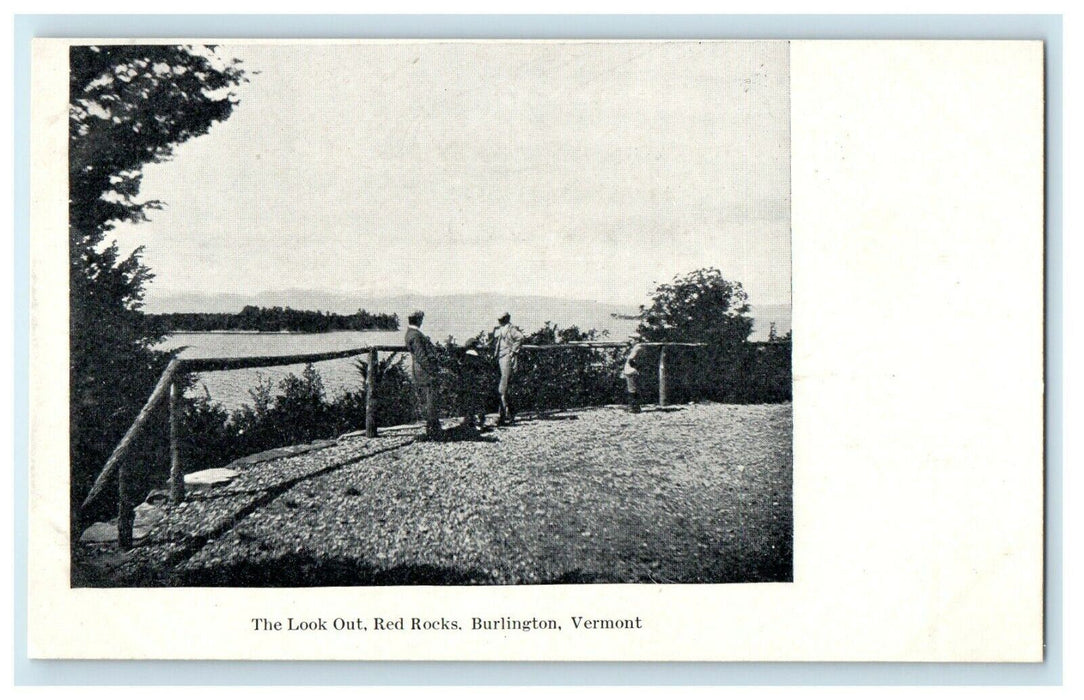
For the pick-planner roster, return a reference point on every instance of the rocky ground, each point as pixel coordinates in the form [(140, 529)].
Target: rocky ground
[(697, 493)]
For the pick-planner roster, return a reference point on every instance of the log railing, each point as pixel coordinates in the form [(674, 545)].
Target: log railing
[(169, 385), (594, 344)]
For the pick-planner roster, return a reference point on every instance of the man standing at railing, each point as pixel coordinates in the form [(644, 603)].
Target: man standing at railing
[(507, 339), (631, 373), (425, 370)]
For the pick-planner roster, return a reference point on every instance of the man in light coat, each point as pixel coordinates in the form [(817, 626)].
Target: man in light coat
[(425, 370), (507, 341)]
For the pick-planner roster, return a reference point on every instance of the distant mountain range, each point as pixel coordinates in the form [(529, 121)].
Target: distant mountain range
[(461, 313)]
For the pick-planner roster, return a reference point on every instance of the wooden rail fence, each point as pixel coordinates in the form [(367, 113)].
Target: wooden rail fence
[(169, 385)]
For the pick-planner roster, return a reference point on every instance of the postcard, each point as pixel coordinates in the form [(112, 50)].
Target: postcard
[(537, 350)]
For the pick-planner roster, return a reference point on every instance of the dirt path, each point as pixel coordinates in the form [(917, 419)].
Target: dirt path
[(696, 493)]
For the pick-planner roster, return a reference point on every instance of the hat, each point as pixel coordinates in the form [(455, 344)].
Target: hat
[(505, 317)]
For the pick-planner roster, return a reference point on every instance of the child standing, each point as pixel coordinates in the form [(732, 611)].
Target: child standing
[(473, 386), (631, 373)]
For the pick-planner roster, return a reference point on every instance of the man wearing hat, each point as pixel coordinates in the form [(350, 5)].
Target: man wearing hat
[(425, 369), (507, 339)]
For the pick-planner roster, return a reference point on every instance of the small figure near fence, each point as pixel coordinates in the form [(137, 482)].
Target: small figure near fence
[(425, 372), (508, 340), (631, 373), (472, 387)]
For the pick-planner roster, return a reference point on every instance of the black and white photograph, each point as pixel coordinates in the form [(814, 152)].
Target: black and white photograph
[(496, 347), (440, 313)]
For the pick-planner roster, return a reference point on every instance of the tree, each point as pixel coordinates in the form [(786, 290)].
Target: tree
[(128, 106), (704, 307)]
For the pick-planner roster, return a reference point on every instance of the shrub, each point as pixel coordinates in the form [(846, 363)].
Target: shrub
[(103, 405), (548, 379), (766, 372), (394, 400), (298, 413)]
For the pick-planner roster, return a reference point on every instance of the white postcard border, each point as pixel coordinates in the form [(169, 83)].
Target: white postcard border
[(949, 568)]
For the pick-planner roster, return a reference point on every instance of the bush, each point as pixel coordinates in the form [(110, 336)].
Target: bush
[(544, 380), (103, 405), (394, 399), (766, 373), (298, 413), (559, 379)]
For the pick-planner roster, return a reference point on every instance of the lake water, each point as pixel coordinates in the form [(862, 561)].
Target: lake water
[(231, 388)]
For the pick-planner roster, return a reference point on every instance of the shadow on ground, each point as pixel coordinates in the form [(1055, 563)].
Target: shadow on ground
[(549, 416), (302, 571), (463, 433)]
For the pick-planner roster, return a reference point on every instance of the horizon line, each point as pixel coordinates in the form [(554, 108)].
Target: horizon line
[(165, 297)]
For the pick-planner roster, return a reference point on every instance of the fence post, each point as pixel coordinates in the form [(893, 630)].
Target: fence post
[(370, 389), (662, 376), (176, 476), (125, 512), (116, 459)]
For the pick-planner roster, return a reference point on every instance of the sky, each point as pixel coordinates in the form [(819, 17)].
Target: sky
[(573, 170)]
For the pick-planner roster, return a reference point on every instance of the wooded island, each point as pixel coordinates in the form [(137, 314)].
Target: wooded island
[(274, 319)]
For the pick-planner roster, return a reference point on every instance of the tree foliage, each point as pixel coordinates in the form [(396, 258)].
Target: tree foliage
[(129, 106), (277, 318), (702, 306)]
